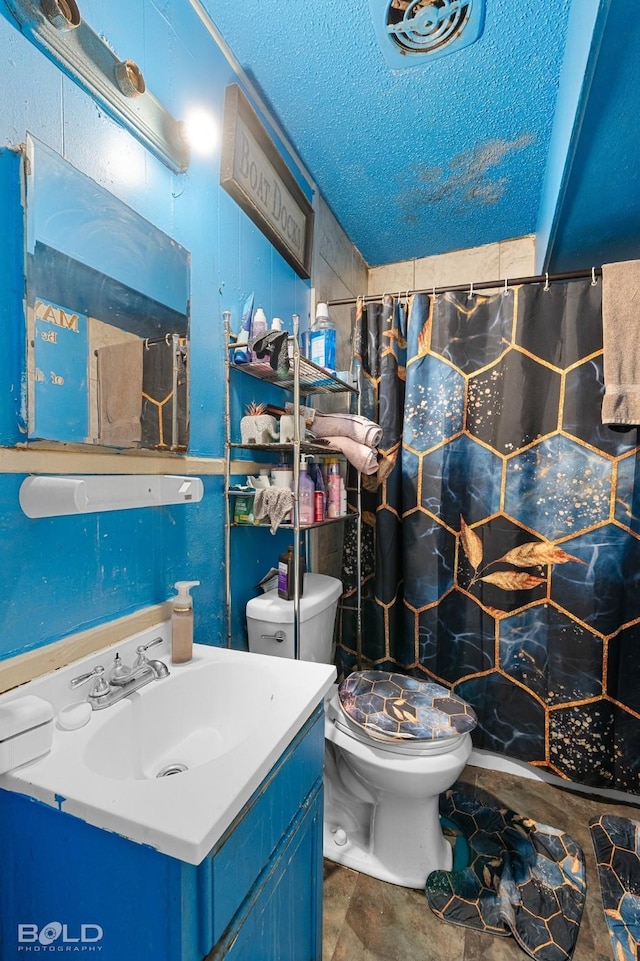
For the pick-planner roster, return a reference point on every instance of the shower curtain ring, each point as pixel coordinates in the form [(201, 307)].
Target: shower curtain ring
[(434, 295), (546, 281), (594, 282), (470, 294), (506, 285)]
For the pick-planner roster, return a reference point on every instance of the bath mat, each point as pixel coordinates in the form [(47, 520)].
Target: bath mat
[(523, 879), (616, 841)]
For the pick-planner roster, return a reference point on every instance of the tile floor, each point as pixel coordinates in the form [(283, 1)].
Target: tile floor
[(369, 920)]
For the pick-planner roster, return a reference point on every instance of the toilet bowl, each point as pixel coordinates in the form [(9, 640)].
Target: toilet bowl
[(382, 784)]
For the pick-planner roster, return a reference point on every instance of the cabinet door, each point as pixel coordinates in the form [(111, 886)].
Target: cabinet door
[(281, 919)]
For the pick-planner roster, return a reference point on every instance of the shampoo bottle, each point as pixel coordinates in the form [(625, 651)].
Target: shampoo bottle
[(182, 623)]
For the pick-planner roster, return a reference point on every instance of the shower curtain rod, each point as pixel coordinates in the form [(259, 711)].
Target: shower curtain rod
[(482, 285)]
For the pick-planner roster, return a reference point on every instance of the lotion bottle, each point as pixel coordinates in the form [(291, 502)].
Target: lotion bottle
[(182, 623), (306, 493)]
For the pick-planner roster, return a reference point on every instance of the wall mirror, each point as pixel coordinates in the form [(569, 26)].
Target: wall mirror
[(107, 315)]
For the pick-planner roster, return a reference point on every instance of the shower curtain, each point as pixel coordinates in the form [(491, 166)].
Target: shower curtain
[(501, 536)]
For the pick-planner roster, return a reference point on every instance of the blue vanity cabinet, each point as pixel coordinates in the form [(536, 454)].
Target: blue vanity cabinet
[(66, 885)]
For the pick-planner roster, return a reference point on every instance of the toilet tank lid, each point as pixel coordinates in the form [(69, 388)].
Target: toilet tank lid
[(320, 591)]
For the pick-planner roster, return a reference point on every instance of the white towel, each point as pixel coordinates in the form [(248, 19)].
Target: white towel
[(621, 340)]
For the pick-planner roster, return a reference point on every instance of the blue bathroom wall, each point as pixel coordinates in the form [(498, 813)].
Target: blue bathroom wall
[(65, 574)]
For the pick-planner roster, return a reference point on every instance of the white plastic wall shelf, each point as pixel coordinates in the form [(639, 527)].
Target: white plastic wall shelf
[(53, 496)]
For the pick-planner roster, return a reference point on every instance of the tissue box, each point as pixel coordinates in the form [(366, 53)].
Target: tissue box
[(26, 731)]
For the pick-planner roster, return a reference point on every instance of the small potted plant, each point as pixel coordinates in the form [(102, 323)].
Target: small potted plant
[(257, 427)]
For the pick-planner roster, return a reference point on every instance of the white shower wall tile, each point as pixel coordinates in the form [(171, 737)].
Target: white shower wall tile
[(458, 267), (518, 257), (514, 258), (392, 278), (338, 268)]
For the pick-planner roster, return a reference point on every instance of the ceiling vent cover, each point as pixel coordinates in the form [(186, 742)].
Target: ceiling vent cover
[(412, 33)]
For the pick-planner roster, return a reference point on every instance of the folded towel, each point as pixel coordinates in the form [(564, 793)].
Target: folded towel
[(120, 393), (358, 428), (362, 457), (621, 338), (273, 504)]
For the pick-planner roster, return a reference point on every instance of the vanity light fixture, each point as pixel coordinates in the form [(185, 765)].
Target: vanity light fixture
[(118, 86), (129, 78), (63, 14), (54, 496)]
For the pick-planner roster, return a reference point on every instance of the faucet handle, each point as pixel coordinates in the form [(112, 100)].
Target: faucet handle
[(142, 649), (98, 671), (100, 686), (145, 647)]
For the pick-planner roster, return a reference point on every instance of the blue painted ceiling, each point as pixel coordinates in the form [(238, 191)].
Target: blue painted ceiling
[(530, 129)]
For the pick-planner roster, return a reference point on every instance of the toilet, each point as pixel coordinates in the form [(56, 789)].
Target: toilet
[(393, 744)]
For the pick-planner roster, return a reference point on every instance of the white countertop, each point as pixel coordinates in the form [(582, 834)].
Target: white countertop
[(182, 815)]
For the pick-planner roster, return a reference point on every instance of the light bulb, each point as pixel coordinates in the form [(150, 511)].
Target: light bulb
[(200, 131)]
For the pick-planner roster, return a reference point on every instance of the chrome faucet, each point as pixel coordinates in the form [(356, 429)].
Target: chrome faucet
[(121, 680)]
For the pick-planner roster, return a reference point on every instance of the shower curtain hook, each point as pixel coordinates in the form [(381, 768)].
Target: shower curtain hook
[(434, 295), (546, 281), (470, 294), (594, 282), (506, 285)]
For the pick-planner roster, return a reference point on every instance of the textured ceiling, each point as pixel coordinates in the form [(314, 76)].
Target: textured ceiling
[(505, 137)]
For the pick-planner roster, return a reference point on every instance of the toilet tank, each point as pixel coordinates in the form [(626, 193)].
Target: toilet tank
[(270, 621)]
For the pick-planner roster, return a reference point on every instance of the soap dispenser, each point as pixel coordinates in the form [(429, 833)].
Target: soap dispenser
[(182, 623)]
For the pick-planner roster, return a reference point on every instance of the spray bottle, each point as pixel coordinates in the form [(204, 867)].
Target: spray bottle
[(182, 623)]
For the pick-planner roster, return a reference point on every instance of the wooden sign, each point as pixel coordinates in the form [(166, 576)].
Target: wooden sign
[(256, 176)]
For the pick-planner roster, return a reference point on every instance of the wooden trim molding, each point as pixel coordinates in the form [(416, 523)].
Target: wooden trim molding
[(26, 667)]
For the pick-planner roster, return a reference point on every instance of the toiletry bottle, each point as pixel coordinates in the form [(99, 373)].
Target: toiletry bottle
[(334, 483), (286, 574), (182, 623), (322, 340), (306, 494), (259, 328), (241, 354), (276, 323)]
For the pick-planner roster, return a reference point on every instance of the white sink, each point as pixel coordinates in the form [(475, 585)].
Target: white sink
[(220, 722), (178, 723)]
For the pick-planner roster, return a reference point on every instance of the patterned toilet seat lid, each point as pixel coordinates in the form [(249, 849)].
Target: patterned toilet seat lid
[(391, 707)]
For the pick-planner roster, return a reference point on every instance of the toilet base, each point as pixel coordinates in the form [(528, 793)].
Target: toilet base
[(348, 840), (381, 812)]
